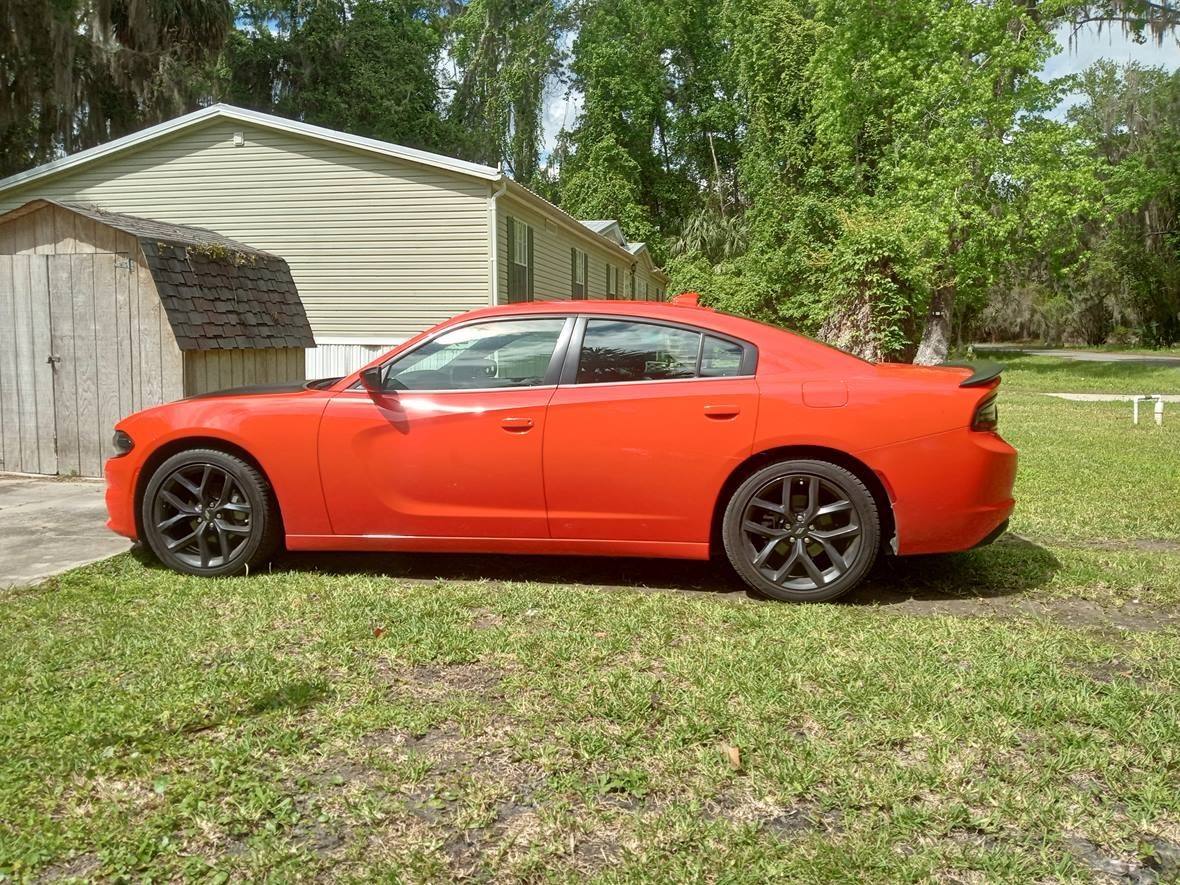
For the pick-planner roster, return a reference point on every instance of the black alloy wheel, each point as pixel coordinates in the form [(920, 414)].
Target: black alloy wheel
[(208, 513), (802, 531)]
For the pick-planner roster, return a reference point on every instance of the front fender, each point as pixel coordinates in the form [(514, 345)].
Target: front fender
[(279, 433)]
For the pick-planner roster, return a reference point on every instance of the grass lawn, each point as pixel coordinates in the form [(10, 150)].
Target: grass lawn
[(1011, 713)]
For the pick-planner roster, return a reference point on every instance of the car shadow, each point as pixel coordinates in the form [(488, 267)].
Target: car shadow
[(1010, 566)]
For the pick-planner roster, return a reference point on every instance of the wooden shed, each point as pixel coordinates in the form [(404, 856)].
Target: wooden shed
[(102, 315)]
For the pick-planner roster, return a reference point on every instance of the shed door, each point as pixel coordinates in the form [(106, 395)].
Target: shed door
[(27, 412), (91, 300)]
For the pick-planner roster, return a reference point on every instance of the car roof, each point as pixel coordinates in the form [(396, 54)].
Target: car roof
[(762, 335)]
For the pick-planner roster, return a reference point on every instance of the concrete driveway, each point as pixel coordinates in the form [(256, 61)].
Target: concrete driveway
[(50, 525)]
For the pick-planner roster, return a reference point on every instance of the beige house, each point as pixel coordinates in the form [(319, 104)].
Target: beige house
[(383, 241)]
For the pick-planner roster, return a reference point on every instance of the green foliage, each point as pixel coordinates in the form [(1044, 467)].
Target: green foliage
[(363, 66), (76, 73)]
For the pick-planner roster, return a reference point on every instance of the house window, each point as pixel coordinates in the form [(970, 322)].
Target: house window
[(579, 274), (520, 261), (612, 282)]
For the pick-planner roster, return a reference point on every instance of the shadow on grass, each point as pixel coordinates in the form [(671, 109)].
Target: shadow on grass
[(1010, 566)]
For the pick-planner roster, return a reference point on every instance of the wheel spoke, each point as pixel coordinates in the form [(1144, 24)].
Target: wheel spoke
[(222, 541), (204, 483), (178, 504), (203, 545), (189, 487), (786, 567), (766, 505), (764, 553), (759, 529), (235, 507), (181, 542), (231, 527), (834, 507), (834, 555), (173, 520), (841, 532), (810, 567), (812, 497), (786, 493)]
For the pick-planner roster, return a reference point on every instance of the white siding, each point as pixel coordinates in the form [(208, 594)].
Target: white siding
[(334, 360), (551, 245), (378, 247)]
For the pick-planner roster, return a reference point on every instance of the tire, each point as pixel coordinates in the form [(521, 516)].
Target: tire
[(207, 513), (817, 547)]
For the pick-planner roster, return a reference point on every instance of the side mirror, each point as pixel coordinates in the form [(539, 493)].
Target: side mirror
[(371, 379)]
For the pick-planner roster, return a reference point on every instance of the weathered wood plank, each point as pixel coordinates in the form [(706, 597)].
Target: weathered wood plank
[(44, 239), (149, 339), (65, 231), (136, 338), (106, 344), (125, 334), (26, 372), (24, 235), (42, 368), (171, 361), (10, 456), (61, 309), (226, 369), (84, 234), (82, 273)]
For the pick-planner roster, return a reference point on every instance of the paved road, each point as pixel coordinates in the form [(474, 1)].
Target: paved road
[(1087, 356), (48, 526)]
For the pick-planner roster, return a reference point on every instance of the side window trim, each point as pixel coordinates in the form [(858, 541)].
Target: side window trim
[(552, 372), (569, 369)]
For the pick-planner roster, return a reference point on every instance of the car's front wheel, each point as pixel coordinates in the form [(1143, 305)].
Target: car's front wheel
[(801, 531), (209, 513)]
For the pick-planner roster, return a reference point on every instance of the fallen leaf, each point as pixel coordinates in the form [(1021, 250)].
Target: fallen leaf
[(735, 757), (378, 631)]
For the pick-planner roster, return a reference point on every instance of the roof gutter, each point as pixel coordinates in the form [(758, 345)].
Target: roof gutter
[(493, 241)]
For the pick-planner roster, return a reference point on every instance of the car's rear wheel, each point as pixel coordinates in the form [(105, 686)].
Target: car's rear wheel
[(209, 513), (801, 531)]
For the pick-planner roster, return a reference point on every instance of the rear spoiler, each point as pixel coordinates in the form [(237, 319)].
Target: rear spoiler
[(981, 372)]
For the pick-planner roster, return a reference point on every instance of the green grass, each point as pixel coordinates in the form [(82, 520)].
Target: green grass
[(1050, 374), (354, 718)]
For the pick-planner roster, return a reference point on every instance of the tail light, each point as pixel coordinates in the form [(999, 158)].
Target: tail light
[(987, 416)]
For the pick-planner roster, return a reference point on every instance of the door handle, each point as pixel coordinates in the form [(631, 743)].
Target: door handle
[(517, 425), (722, 412)]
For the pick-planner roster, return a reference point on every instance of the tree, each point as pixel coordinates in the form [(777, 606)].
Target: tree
[(505, 53), (362, 66), (75, 73)]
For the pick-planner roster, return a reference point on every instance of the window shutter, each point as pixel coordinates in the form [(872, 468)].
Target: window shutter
[(531, 263), (608, 292), (586, 274), (573, 272), (510, 264)]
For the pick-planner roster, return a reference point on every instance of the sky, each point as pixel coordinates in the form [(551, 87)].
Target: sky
[(562, 106)]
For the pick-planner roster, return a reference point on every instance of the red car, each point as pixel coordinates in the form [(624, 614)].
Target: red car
[(603, 428)]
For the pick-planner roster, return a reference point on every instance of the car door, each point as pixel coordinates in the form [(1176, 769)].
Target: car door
[(649, 420), (452, 446)]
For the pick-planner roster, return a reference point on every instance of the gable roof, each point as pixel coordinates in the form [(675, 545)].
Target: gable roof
[(216, 292), (270, 121), (603, 229)]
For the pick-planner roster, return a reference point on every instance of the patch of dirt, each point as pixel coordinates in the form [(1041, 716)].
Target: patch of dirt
[(742, 809), (81, 866), (486, 620), (1133, 617), (1110, 868), (435, 680)]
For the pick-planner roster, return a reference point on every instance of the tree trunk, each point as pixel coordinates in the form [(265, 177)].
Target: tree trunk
[(936, 337)]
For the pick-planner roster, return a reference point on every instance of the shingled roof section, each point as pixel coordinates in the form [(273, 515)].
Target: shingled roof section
[(218, 294)]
